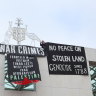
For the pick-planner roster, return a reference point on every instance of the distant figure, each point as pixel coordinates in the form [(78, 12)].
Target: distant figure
[(43, 44)]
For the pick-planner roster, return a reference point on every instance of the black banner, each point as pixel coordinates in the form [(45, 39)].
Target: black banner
[(21, 66), (66, 59), (21, 49)]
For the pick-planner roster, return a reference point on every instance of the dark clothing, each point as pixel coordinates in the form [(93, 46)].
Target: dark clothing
[(44, 46)]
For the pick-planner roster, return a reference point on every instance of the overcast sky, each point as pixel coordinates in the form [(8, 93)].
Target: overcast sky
[(70, 22)]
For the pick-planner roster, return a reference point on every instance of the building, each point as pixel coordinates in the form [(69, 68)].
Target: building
[(55, 85)]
